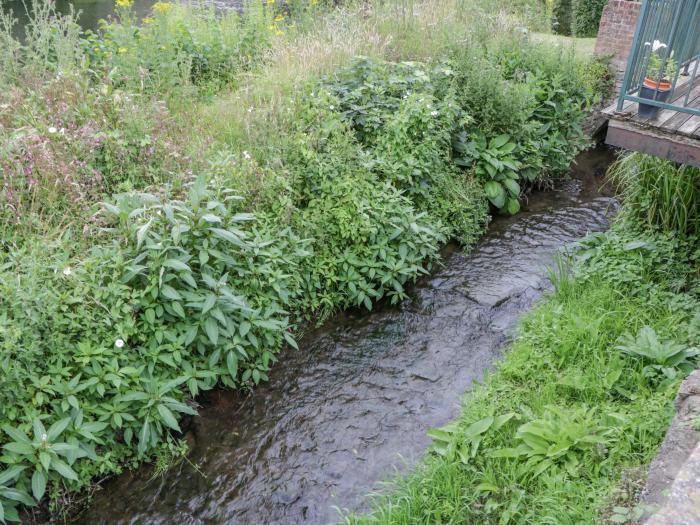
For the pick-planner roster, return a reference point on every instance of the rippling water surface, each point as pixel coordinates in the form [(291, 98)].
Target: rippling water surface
[(355, 402)]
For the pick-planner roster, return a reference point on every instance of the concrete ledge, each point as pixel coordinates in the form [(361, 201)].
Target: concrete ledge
[(673, 484)]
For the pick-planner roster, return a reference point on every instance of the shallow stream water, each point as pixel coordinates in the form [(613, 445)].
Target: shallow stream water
[(353, 405)]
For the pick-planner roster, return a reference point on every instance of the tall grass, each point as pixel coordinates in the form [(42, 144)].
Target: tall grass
[(659, 193)]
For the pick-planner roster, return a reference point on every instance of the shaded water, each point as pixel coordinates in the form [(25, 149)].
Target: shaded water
[(355, 402), (90, 12)]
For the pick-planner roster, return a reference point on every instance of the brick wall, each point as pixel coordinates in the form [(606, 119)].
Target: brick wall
[(617, 30)]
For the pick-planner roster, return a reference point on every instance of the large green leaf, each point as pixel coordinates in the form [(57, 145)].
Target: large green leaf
[(211, 328), (495, 193), (499, 141), (38, 484), (513, 187), (168, 417)]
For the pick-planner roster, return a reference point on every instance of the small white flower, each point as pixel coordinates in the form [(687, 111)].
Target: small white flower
[(250, 110), (52, 130), (119, 343), (658, 45), (62, 131), (433, 113), (67, 271), (332, 108), (246, 155), (44, 437)]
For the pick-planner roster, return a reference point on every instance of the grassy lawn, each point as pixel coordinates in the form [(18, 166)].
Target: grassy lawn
[(583, 46)]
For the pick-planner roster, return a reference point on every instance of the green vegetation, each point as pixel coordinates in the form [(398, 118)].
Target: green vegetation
[(579, 18), (586, 15), (583, 398), (180, 195), (562, 17)]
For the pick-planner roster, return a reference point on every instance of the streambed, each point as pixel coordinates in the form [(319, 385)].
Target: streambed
[(353, 405)]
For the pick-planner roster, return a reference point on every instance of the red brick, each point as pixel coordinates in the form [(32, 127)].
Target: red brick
[(617, 28)]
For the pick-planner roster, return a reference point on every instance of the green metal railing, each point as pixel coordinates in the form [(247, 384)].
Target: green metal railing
[(667, 38)]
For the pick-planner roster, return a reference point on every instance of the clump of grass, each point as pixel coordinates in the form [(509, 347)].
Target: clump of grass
[(659, 193)]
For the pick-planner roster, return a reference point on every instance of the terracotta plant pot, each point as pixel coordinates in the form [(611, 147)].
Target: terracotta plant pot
[(653, 90)]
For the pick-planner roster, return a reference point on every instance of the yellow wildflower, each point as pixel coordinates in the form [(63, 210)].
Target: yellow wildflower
[(162, 7), (270, 2), (123, 50), (148, 20), (313, 2), (279, 32), (279, 18), (124, 4)]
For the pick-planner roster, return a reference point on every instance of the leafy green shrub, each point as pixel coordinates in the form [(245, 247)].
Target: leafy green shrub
[(209, 292), (562, 17), (585, 17), (495, 104), (369, 92), (367, 239), (495, 164), (106, 350), (413, 152)]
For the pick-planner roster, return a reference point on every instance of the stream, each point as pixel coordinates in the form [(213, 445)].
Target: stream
[(351, 408)]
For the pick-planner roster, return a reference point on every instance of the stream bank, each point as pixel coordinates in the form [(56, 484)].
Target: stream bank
[(352, 406)]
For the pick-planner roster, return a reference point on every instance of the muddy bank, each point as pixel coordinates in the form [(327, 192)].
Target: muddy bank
[(353, 404)]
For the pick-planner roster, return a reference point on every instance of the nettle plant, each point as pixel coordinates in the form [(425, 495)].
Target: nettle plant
[(211, 296)]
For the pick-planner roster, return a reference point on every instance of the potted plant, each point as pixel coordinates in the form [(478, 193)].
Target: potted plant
[(661, 68)]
